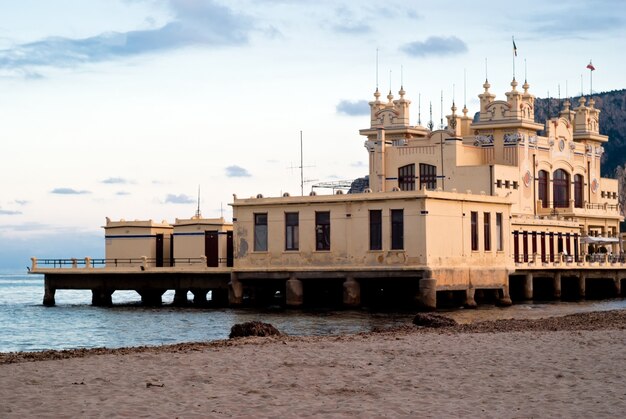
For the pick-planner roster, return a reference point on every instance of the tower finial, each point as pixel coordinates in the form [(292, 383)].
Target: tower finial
[(198, 214), (431, 125), (486, 73), (377, 69), (419, 109), (465, 92)]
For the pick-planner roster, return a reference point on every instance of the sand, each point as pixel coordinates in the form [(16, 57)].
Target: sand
[(568, 367)]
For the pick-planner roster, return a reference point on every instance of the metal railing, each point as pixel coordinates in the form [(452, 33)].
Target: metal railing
[(143, 263), (537, 258)]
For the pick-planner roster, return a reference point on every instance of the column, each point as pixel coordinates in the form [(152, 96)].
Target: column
[(180, 297), (151, 297), (528, 286), (48, 294), (428, 292), (470, 302), (557, 285), (504, 298), (101, 297), (582, 282), (235, 291), (294, 292), (618, 284), (199, 296), (351, 292)]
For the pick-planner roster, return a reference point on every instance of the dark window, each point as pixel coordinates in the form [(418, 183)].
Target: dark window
[(260, 232), (579, 182), (376, 230), (534, 242), (560, 186), (525, 245), (487, 230), (397, 229), (428, 176), (322, 230), (292, 233), (543, 247), (516, 246), (474, 230), (551, 241), (406, 178), (542, 186), (499, 232)]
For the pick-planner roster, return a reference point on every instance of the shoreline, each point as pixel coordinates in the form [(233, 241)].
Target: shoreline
[(566, 366), (589, 321)]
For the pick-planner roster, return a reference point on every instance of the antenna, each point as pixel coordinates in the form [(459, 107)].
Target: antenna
[(525, 72), (376, 69), (401, 76), (419, 109), (486, 75), (430, 123), (465, 88), (581, 86), (441, 123), (390, 80), (221, 210), (302, 166), (198, 215), (514, 55)]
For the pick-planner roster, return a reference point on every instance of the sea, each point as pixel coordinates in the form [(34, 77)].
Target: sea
[(27, 325)]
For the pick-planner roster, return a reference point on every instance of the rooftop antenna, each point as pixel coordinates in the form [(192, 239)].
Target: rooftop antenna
[(486, 74), (591, 68), (198, 215), (430, 123), (419, 109), (401, 77), (525, 72), (390, 80), (441, 122), (376, 69), (221, 210), (302, 167)]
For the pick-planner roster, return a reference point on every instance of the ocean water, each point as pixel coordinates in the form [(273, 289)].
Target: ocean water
[(26, 325)]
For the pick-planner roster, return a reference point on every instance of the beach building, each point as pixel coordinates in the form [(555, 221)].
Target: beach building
[(482, 206)]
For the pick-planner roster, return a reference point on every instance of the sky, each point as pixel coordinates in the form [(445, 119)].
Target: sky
[(124, 108)]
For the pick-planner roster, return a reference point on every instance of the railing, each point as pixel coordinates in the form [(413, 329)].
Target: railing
[(142, 263), (536, 259), (558, 207)]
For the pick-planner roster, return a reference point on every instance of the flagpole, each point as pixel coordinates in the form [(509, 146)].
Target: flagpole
[(590, 66), (514, 54)]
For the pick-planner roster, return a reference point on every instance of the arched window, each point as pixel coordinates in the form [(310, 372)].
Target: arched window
[(542, 186), (579, 182), (560, 189)]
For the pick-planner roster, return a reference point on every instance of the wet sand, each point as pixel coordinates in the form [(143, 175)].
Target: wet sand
[(570, 366)]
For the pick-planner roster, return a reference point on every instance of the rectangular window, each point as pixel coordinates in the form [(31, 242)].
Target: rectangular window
[(406, 178), (487, 230), (376, 230), (499, 232), (322, 230), (292, 233), (474, 230), (428, 176), (260, 232), (397, 229)]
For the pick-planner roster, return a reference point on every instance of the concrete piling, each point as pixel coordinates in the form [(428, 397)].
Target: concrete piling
[(528, 287), (48, 294), (351, 292), (294, 292), (428, 294), (470, 301), (557, 285), (101, 297), (582, 284), (235, 291)]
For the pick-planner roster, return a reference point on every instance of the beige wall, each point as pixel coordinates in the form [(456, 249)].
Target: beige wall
[(189, 238), (126, 242)]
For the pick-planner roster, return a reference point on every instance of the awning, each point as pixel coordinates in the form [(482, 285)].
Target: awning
[(599, 240)]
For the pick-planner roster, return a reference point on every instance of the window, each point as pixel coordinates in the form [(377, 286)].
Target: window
[(542, 186), (428, 176), (560, 185), (578, 190), (474, 230), (499, 232), (322, 230), (292, 233), (487, 230), (397, 229), (376, 230), (260, 232), (406, 178)]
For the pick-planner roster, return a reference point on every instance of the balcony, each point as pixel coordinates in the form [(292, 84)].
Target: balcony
[(569, 209)]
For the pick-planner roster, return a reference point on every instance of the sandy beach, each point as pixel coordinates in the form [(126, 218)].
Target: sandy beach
[(572, 366)]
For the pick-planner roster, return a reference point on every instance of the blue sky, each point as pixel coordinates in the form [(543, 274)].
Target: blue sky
[(122, 108)]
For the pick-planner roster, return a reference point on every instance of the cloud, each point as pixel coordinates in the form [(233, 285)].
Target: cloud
[(179, 199), (348, 23), (68, 191), (9, 212), (122, 193), (353, 108), (435, 45), (195, 23), (237, 171), (116, 181), (21, 202), (358, 164)]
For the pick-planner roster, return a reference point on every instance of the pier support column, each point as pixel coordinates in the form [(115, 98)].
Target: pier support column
[(557, 285), (504, 298), (48, 294), (428, 293), (528, 287), (470, 301), (582, 285), (351, 292), (199, 296), (180, 297), (219, 297), (101, 297), (151, 297), (294, 292), (618, 284), (235, 291)]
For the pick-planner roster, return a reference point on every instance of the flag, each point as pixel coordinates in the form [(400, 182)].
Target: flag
[(514, 48), (590, 66)]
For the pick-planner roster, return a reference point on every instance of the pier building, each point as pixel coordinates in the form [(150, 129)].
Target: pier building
[(493, 206)]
